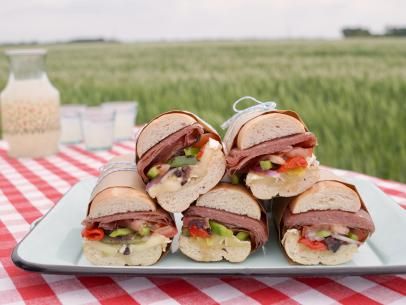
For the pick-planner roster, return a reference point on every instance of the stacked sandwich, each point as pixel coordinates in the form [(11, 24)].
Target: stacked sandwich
[(181, 159), (182, 166), (319, 218), (325, 224), (273, 153), (225, 223), (180, 162), (123, 225)]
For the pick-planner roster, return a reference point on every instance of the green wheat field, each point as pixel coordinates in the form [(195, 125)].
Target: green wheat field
[(351, 93)]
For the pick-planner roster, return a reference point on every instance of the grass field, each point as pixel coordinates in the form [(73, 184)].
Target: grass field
[(351, 93)]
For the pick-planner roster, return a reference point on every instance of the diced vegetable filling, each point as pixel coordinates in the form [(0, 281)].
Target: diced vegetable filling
[(181, 159), (235, 179), (331, 237), (292, 162), (205, 228), (126, 231), (295, 159)]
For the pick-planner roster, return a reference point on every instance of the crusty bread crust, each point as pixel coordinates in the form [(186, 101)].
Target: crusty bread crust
[(160, 128), (268, 127), (116, 200), (303, 255), (267, 188), (231, 198), (190, 247), (326, 195)]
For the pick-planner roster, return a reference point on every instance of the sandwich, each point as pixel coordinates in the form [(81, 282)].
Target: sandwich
[(324, 225), (124, 227), (273, 152), (225, 223), (179, 157)]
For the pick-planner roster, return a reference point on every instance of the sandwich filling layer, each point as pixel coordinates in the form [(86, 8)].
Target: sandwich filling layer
[(280, 158), (209, 224), (329, 230), (126, 233), (182, 157), (168, 148)]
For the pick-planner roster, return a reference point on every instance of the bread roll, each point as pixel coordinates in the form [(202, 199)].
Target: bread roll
[(325, 224), (196, 250), (160, 128), (273, 152), (268, 187), (164, 139), (326, 195), (268, 127), (123, 224), (108, 255), (231, 198), (301, 254), (120, 200), (179, 200)]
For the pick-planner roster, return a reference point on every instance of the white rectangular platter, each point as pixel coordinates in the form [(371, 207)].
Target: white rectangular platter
[(54, 245)]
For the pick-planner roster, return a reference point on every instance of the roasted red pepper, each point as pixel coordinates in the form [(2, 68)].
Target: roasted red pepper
[(293, 163), (313, 244), (200, 154), (204, 138), (198, 232), (93, 233)]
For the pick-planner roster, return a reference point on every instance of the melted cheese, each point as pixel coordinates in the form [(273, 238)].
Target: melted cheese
[(152, 241), (253, 176), (219, 242), (312, 161), (170, 183), (280, 177), (201, 168)]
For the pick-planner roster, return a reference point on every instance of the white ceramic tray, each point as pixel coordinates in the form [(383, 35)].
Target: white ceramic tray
[(54, 245)]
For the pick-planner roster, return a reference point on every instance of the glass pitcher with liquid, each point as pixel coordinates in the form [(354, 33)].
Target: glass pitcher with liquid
[(30, 106)]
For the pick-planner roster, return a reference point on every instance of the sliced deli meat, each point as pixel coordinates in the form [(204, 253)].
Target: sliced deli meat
[(241, 160), (361, 219), (159, 217), (168, 147), (256, 228)]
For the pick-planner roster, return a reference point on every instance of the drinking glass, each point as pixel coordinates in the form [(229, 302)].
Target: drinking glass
[(126, 113), (71, 131), (97, 128)]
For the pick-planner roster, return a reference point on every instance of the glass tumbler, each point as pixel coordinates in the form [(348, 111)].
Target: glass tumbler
[(71, 131), (126, 113), (98, 128)]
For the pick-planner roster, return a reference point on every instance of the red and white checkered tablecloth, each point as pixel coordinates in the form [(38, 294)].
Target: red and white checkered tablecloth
[(29, 187)]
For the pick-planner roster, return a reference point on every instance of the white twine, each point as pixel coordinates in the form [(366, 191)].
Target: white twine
[(260, 106), (119, 166)]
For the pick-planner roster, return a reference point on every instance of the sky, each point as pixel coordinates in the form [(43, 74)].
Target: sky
[(150, 20)]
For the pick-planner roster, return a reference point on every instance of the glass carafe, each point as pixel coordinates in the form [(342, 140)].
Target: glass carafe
[(30, 106)]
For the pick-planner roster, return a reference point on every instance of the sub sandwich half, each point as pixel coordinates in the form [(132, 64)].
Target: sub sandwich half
[(273, 153), (324, 225), (123, 225), (179, 157), (225, 223)]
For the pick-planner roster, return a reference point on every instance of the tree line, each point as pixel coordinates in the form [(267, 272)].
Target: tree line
[(349, 32)]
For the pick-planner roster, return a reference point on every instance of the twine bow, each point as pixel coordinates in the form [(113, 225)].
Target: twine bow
[(260, 106)]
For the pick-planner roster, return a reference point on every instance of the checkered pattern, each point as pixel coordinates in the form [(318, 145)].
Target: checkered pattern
[(29, 187)]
